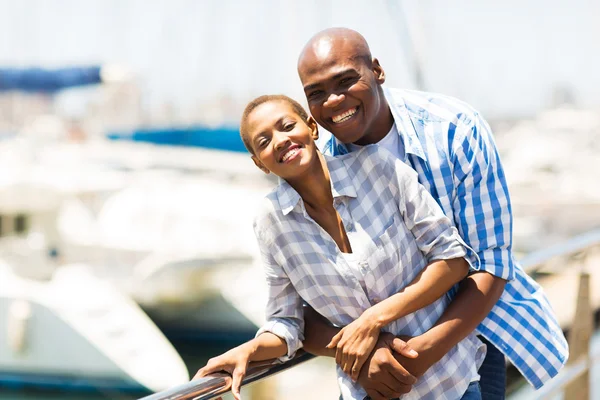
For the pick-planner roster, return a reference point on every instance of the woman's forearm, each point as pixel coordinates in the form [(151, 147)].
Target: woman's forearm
[(266, 346), (431, 284)]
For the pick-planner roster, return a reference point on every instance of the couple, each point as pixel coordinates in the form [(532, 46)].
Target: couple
[(374, 239)]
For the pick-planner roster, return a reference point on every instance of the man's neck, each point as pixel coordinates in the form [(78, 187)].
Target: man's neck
[(380, 127)]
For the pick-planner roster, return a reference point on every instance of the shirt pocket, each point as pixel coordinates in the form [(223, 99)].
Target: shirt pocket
[(382, 262)]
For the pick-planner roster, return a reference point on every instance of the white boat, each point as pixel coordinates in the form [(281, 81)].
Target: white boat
[(77, 331)]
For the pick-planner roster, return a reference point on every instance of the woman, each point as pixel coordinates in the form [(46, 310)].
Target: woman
[(359, 240)]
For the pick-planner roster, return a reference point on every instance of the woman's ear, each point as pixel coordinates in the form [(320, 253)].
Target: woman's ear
[(378, 71), (314, 128), (260, 165)]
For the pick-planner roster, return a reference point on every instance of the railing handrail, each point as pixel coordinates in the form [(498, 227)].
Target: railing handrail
[(216, 384), (570, 373), (535, 260)]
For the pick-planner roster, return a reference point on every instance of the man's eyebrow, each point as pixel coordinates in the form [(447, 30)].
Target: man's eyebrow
[(336, 76)]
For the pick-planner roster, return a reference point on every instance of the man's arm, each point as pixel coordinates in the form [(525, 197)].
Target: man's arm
[(476, 297), (482, 215)]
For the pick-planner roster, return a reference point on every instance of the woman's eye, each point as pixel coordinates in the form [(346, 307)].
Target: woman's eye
[(288, 127)]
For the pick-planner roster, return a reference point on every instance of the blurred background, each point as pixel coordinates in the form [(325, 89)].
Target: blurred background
[(127, 256)]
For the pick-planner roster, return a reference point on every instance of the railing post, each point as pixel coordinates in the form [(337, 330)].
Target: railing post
[(579, 337)]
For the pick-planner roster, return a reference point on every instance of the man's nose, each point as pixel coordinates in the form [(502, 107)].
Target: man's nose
[(334, 100)]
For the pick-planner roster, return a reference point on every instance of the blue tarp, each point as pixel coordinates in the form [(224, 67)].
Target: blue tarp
[(47, 80), (211, 138)]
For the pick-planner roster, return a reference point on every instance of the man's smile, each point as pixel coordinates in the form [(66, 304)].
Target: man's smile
[(344, 116)]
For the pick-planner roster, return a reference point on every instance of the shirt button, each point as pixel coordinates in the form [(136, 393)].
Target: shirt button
[(375, 300)]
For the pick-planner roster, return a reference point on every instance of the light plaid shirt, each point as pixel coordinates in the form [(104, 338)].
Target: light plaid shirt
[(406, 230), (452, 149)]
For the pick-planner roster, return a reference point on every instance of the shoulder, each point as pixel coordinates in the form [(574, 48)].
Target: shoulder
[(366, 158), (374, 163), (433, 107), (266, 215)]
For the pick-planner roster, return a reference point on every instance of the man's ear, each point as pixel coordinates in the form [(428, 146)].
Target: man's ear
[(314, 128), (378, 71), (260, 165)]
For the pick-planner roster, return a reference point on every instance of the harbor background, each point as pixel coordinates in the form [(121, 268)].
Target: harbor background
[(183, 70)]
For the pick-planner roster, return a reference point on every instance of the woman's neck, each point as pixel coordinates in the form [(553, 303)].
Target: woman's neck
[(315, 185)]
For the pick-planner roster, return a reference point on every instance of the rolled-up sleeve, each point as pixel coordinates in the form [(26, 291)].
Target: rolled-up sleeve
[(284, 312), (481, 202), (434, 233)]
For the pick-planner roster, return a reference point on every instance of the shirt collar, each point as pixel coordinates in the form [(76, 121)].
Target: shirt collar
[(341, 186), (404, 126)]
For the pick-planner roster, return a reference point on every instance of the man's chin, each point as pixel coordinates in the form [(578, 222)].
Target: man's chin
[(346, 137)]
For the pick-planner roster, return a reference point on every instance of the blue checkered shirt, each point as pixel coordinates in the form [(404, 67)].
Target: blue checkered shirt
[(453, 151), (405, 230)]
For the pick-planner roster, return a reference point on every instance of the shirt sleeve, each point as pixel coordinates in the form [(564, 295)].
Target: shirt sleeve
[(436, 236), (481, 202), (284, 312)]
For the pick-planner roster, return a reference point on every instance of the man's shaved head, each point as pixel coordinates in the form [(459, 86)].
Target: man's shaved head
[(331, 42), (342, 83)]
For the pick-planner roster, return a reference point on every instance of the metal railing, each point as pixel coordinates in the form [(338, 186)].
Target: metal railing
[(214, 385), (573, 380)]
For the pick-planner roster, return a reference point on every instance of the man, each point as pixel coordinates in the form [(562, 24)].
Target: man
[(451, 147)]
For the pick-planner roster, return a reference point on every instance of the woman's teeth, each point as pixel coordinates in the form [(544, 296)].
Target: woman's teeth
[(289, 154)]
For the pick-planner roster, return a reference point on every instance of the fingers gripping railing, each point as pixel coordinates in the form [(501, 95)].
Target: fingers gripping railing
[(573, 380), (212, 386)]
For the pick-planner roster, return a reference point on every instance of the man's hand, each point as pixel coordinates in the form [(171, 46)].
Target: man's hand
[(427, 356), (382, 376)]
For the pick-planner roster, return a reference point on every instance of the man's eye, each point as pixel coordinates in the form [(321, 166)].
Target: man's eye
[(315, 94), (346, 81), (288, 127), (262, 143)]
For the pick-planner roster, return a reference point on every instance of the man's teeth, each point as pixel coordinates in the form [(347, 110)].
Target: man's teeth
[(344, 116), (289, 154)]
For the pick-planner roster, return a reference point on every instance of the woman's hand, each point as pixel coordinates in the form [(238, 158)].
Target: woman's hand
[(235, 362), (355, 343)]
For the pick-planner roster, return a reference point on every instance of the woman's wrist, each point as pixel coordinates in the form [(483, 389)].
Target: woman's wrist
[(373, 318), (250, 348)]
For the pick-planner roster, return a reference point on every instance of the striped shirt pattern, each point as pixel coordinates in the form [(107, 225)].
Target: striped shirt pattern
[(452, 149), (405, 230)]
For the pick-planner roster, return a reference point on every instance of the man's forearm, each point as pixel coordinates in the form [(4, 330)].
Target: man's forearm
[(476, 297), (318, 332)]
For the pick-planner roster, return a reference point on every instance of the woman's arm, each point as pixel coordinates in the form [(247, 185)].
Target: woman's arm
[(356, 341), (431, 284), (265, 346)]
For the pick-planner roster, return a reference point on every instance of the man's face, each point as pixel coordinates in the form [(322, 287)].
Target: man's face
[(343, 93)]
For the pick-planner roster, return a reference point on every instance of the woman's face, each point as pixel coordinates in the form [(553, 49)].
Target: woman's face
[(282, 142)]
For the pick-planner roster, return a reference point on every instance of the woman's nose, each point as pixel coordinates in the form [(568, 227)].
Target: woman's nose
[(281, 140)]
